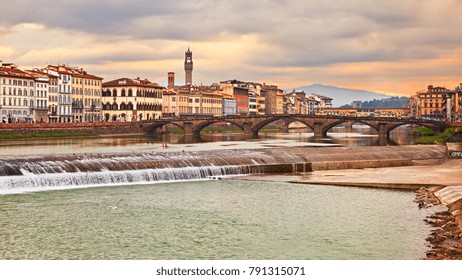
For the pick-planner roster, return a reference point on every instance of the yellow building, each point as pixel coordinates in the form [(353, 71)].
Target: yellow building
[(175, 103), (86, 96), (127, 99), (274, 99), (431, 102), (192, 101)]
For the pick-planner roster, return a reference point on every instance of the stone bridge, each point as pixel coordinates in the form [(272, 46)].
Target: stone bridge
[(320, 125)]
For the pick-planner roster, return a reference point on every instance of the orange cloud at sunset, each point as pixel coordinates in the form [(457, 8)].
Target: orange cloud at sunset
[(394, 47)]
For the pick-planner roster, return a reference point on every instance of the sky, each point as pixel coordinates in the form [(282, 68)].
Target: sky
[(395, 47)]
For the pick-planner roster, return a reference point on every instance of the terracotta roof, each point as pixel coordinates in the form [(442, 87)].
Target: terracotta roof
[(14, 72), (87, 76), (123, 82)]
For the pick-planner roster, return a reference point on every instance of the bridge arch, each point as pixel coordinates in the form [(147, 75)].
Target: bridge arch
[(157, 126), (198, 128), (335, 123), (394, 126), (258, 126)]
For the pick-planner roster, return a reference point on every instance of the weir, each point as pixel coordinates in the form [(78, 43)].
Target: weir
[(35, 173)]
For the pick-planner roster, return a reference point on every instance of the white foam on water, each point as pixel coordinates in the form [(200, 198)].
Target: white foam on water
[(30, 182)]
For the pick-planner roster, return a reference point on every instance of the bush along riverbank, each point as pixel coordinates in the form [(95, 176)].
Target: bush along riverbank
[(48, 134), (430, 137)]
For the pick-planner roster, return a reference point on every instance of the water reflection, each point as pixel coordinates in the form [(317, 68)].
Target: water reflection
[(358, 135)]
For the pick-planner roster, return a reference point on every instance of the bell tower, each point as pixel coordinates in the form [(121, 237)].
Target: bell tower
[(188, 67), (171, 80)]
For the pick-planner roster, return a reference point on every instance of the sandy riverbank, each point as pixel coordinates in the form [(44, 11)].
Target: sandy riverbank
[(425, 177)]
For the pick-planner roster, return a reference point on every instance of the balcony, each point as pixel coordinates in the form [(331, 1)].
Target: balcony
[(77, 105)]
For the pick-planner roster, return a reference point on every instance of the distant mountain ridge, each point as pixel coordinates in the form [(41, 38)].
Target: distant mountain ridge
[(341, 96)]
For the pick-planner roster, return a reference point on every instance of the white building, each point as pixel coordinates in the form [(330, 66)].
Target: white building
[(40, 105), (253, 97), (321, 101), (229, 106), (64, 75), (17, 90)]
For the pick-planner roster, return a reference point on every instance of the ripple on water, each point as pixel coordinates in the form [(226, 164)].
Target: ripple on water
[(213, 220)]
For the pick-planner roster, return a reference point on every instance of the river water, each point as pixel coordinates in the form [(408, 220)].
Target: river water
[(208, 219), (213, 220), (358, 136)]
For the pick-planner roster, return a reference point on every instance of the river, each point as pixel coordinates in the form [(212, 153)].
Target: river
[(207, 219)]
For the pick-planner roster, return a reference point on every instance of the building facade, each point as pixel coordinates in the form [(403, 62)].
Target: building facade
[(52, 99), (17, 89), (86, 96), (366, 112), (64, 74), (191, 100), (127, 99), (274, 99), (430, 103), (437, 103), (40, 105)]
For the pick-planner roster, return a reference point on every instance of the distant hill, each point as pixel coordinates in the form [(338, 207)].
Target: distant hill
[(392, 102), (341, 96)]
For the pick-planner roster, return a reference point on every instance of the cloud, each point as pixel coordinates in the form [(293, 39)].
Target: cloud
[(287, 41)]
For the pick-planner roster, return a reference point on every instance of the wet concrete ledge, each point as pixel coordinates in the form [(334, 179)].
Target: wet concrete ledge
[(397, 186)]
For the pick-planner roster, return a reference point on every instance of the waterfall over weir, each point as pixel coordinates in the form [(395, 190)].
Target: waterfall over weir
[(36, 173)]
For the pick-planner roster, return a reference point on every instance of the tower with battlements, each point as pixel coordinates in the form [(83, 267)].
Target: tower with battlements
[(188, 67)]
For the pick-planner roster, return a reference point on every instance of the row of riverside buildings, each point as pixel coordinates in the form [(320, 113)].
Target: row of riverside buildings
[(65, 94), (437, 103)]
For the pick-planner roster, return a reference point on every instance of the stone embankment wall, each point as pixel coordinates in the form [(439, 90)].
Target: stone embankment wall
[(451, 196), (454, 150), (100, 128)]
